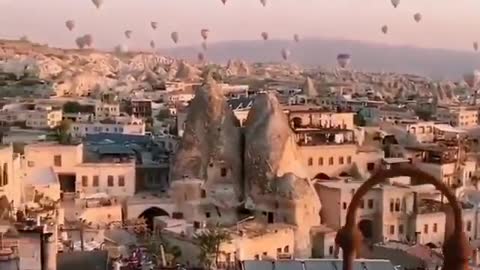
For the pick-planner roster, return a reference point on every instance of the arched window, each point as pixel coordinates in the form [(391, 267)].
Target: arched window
[(392, 202), (310, 161), (397, 205)]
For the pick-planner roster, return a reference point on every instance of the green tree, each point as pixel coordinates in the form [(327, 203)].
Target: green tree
[(63, 132), (163, 114), (359, 120), (209, 242), (72, 107)]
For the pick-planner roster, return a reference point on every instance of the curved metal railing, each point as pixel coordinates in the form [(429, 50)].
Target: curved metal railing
[(456, 248)]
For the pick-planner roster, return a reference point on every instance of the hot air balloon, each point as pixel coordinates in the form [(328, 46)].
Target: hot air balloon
[(265, 35), (204, 33), (154, 25), (224, 1), (264, 2), (417, 17), (80, 42), (385, 29), (121, 48), (70, 24), (152, 44), (128, 34), (343, 60), (88, 40), (296, 38), (395, 3), (201, 56), (175, 37), (285, 54), (472, 78), (98, 3), (204, 46), (475, 46)]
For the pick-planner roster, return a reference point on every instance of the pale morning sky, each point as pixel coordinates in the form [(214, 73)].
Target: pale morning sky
[(451, 24)]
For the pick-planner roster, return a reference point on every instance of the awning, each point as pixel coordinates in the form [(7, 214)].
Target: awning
[(448, 128)]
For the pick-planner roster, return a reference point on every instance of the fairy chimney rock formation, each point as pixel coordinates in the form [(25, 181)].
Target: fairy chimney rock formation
[(210, 150), (276, 180)]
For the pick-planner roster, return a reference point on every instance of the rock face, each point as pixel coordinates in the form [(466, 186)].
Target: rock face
[(276, 181), (211, 147)]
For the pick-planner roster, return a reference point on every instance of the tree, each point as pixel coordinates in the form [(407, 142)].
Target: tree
[(359, 120), (209, 242), (163, 114), (72, 107), (154, 243), (63, 132)]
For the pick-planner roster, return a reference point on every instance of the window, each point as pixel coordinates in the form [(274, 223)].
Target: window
[(330, 250), (207, 214), (370, 204), (392, 229), (286, 249), (310, 161), (425, 229), (265, 254), (362, 204), (110, 180), (469, 226), (223, 172), (279, 250), (344, 205), (95, 181), (57, 161), (330, 161), (370, 166), (397, 205), (320, 161), (204, 193), (349, 160), (435, 227), (30, 164), (392, 203), (341, 160), (121, 181), (257, 257), (85, 181), (400, 229)]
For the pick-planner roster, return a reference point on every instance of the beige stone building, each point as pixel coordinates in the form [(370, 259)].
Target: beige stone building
[(10, 177), (462, 117)]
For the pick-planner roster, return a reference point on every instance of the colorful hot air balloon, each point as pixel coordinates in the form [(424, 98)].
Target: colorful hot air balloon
[(343, 60), (80, 42), (395, 3), (472, 78), (88, 40), (201, 56), (154, 25), (385, 29), (204, 33), (265, 35), (98, 3), (417, 17), (296, 38), (70, 24), (475, 46), (128, 34), (285, 54), (263, 2), (204, 46), (175, 37), (152, 44)]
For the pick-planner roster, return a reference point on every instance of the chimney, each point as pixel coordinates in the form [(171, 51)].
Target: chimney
[(49, 248)]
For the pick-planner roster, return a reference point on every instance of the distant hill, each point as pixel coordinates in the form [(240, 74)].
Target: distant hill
[(435, 63)]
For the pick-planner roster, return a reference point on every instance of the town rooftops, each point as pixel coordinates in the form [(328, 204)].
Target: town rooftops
[(316, 264), (252, 229), (82, 260)]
